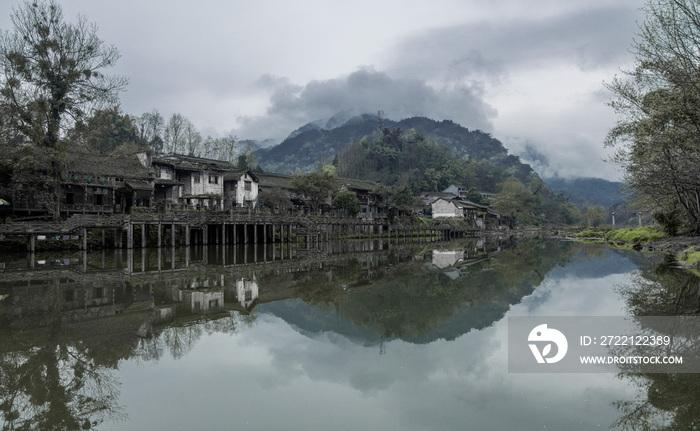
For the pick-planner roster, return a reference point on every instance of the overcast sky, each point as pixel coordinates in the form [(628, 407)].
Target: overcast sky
[(530, 72)]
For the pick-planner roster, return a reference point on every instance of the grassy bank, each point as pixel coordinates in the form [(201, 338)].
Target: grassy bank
[(635, 235)]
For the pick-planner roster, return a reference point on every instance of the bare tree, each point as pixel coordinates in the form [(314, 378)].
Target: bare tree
[(193, 140), (151, 126), (175, 133)]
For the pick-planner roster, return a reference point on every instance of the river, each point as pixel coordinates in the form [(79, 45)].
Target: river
[(346, 337)]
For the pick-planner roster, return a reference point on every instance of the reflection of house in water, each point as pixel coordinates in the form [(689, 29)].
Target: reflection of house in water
[(247, 291), (445, 259), (201, 301)]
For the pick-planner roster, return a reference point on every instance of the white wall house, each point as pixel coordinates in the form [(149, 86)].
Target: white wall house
[(445, 208), (192, 182), (241, 189)]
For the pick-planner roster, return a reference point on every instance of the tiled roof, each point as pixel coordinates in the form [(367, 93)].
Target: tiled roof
[(139, 185), (285, 182), (270, 180), (91, 163), (356, 184), (238, 173), (193, 163)]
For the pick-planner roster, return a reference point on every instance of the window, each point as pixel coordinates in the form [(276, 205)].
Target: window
[(198, 178), (248, 186), (213, 179)]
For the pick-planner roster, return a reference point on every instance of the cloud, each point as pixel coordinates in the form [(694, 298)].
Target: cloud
[(489, 50), (364, 91)]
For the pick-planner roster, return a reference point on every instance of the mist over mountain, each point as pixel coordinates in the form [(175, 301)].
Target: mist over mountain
[(319, 141), (589, 191)]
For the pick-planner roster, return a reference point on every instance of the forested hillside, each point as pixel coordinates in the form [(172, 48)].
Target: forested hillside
[(311, 144)]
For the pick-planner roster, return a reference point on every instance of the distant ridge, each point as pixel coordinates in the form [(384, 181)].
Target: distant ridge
[(321, 140), (589, 191)]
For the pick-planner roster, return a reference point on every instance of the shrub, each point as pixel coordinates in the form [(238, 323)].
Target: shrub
[(668, 221)]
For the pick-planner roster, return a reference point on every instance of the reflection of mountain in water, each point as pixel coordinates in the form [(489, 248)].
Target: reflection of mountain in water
[(310, 319), (421, 302), (104, 309)]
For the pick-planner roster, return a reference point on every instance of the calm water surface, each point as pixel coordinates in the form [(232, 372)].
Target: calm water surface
[(360, 336)]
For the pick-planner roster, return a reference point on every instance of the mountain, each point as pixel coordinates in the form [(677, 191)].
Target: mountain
[(589, 191), (265, 143), (321, 140)]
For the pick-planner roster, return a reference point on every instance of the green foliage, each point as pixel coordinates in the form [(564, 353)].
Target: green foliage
[(634, 235), (657, 138), (315, 187), (274, 199), (411, 159), (690, 257), (473, 195), (347, 201), (595, 216), (242, 162), (52, 70), (589, 234), (515, 200), (669, 221), (108, 129)]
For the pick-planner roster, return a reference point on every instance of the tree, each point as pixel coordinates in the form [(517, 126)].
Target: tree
[(658, 135), (595, 215), (150, 128), (315, 187), (400, 199), (220, 148), (193, 140), (51, 72), (175, 133), (107, 129), (516, 200), (348, 202), (51, 75)]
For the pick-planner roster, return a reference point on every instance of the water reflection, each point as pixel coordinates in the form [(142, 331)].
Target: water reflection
[(415, 326), (668, 401)]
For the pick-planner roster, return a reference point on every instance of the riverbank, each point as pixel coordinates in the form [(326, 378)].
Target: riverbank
[(684, 249)]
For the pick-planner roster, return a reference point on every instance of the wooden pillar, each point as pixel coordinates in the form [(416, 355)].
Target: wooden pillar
[(255, 233), (187, 235), (205, 234), (130, 236), (223, 233), (82, 240), (103, 238), (172, 234), (160, 235), (118, 238), (144, 236), (245, 233), (31, 243)]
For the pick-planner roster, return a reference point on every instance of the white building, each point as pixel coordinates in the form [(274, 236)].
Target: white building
[(195, 182), (241, 189)]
